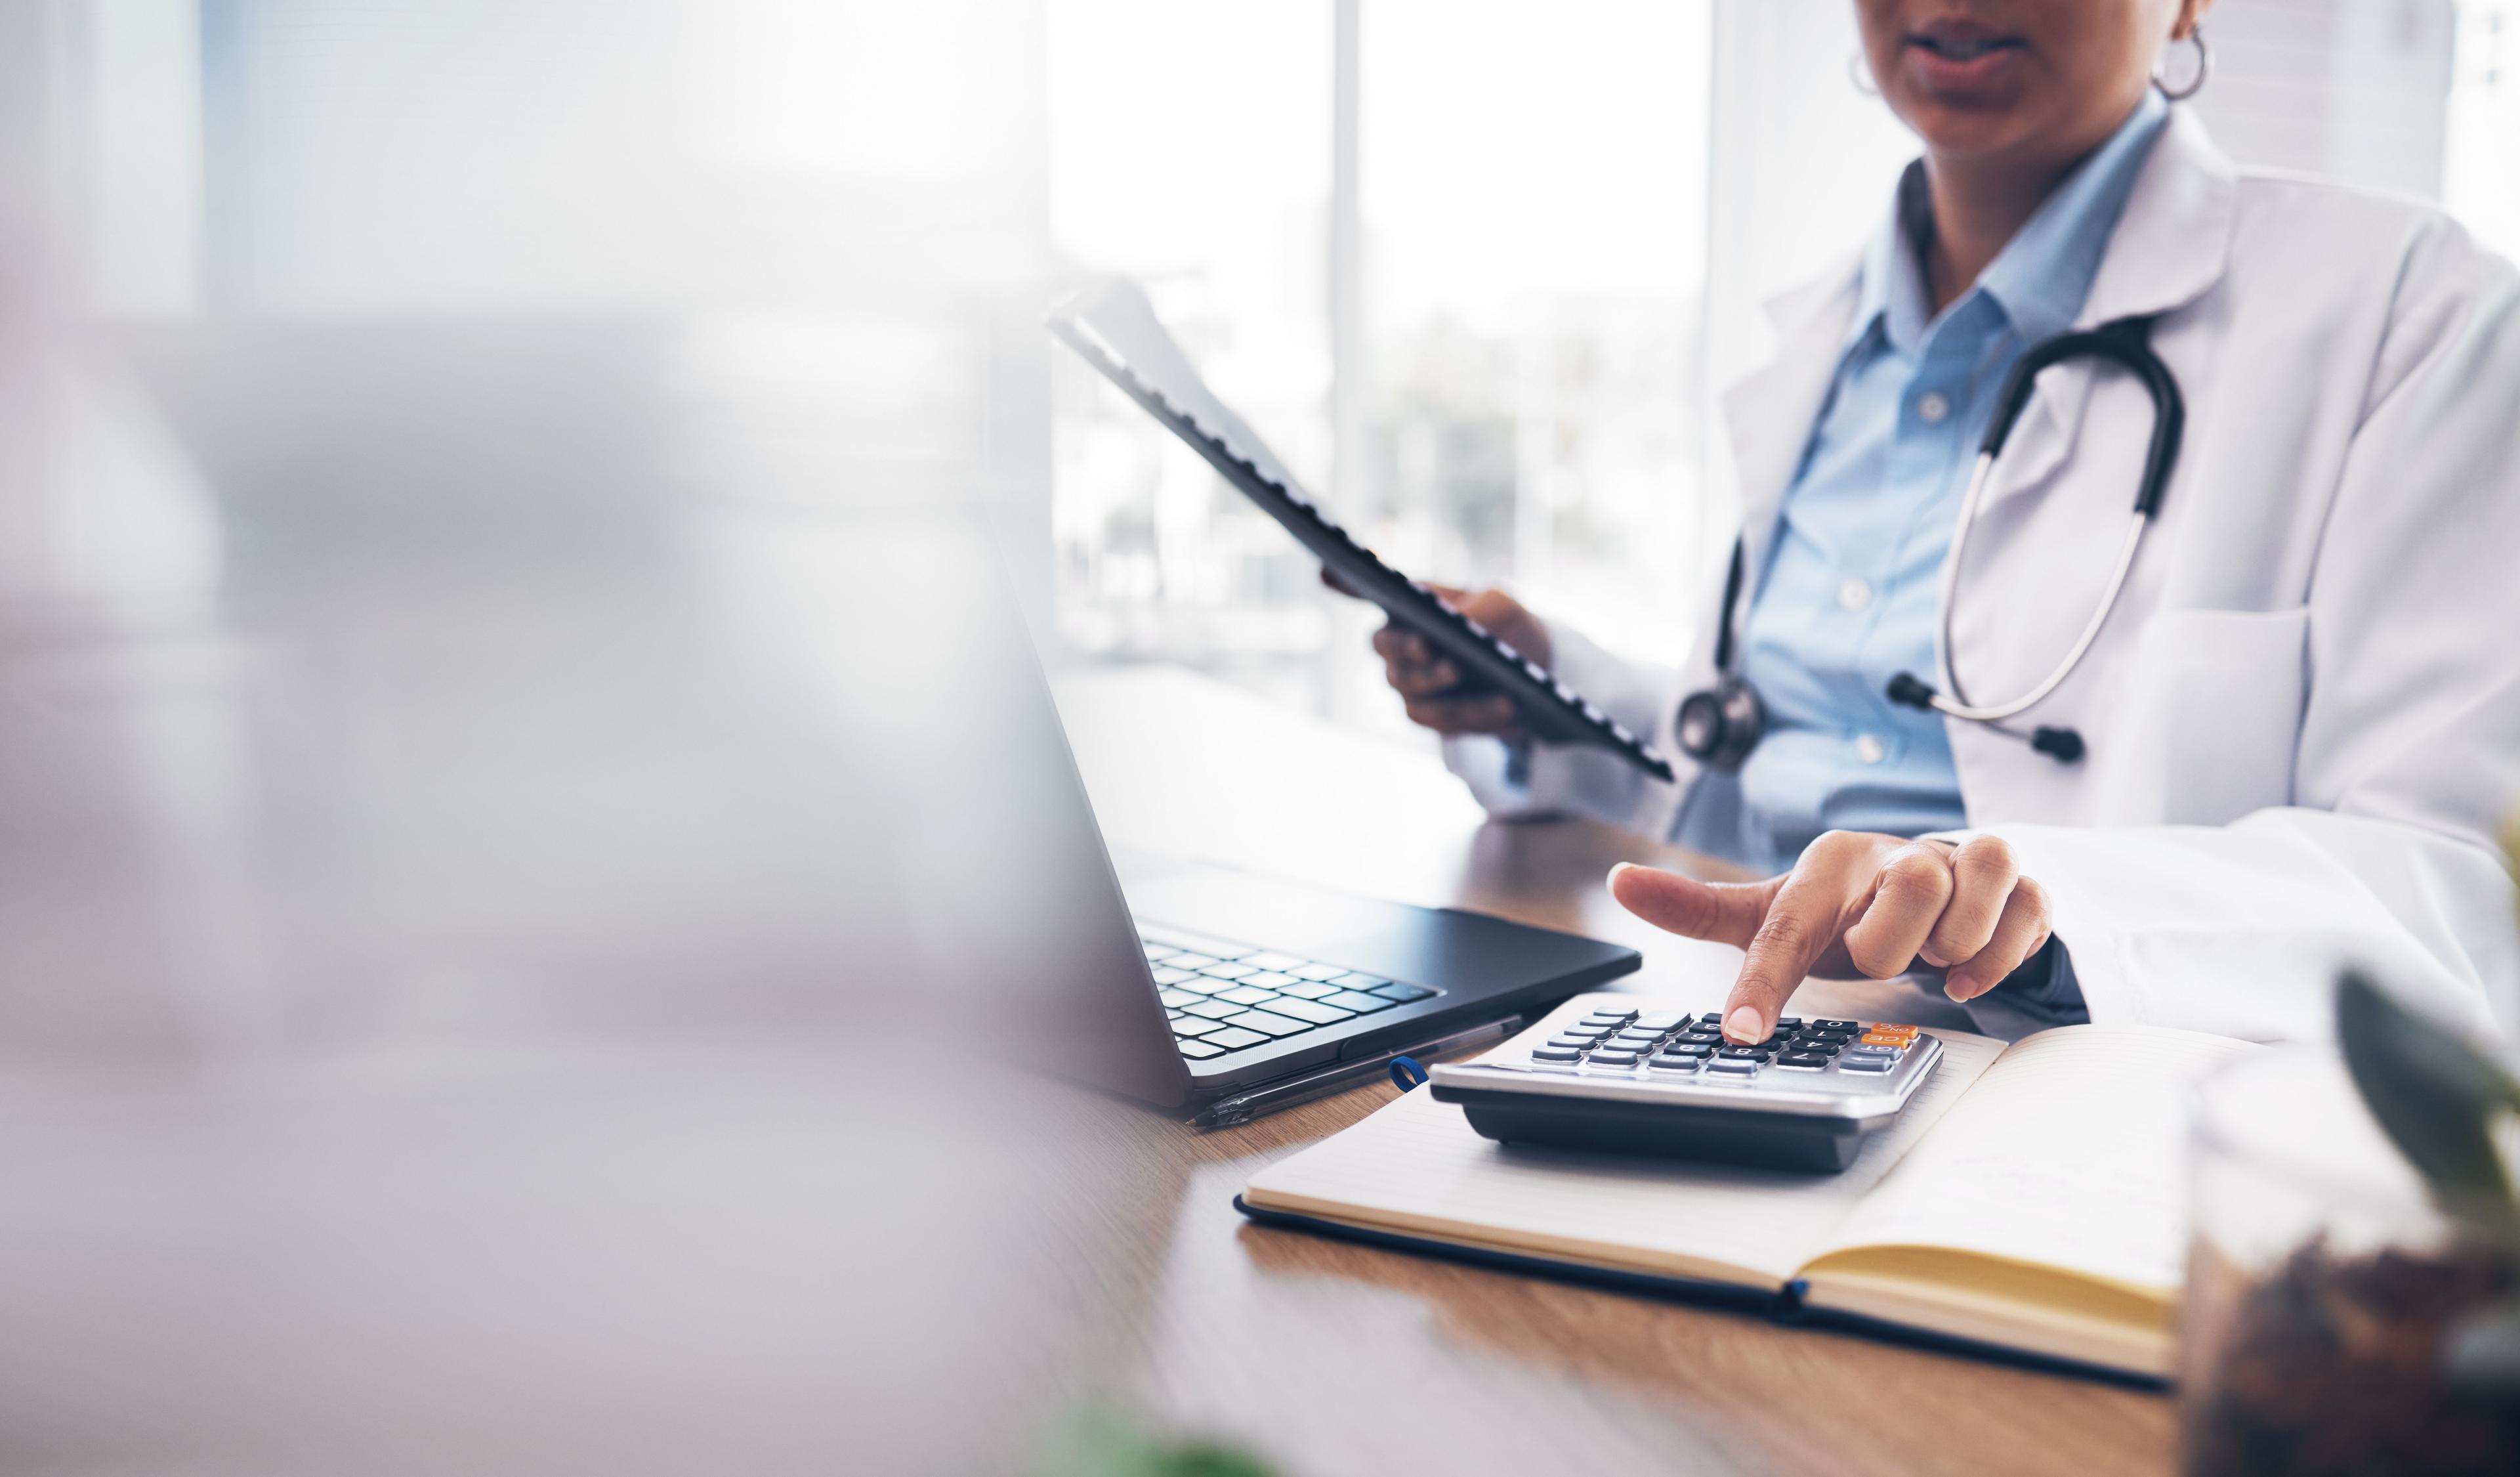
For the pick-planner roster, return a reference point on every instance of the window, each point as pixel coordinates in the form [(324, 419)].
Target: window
[(1531, 230)]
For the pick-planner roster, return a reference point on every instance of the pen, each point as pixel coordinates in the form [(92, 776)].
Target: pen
[(1241, 1108)]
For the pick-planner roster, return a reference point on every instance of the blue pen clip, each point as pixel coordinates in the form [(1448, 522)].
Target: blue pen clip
[(1405, 1073)]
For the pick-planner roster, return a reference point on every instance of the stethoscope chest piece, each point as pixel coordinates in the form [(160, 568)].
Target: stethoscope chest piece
[(1719, 726)]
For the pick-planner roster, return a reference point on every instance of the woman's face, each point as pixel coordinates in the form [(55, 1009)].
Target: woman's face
[(2029, 78)]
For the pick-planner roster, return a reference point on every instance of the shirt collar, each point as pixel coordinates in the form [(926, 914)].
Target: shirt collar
[(2041, 276)]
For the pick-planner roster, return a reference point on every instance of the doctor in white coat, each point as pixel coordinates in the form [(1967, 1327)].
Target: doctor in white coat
[(2301, 721)]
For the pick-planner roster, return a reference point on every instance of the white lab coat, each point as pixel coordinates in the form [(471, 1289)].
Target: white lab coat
[(2304, 717)]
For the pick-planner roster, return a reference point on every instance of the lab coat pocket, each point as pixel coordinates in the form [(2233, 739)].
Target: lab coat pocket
[(2212, 715)]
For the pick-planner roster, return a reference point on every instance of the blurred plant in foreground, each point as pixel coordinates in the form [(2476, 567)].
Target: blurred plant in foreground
[(1113, 1446)]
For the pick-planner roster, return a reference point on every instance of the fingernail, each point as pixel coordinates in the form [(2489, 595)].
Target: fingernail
[(1961, 991), (1933, 958), (1745, 1026), (1613, 879)]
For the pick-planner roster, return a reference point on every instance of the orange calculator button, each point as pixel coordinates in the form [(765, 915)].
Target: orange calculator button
[(1877, 1037)]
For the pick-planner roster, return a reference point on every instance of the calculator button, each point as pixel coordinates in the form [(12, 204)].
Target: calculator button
[(1356, 1001), (1737, 1053), (1610, 1058), (1214, 1010), (1866, 1063), (1876, 1038), (1702, 1038), (1734, 1069), (1788, 1022), (1688, 1051), (1576, 1039), (1314, 1011), (1404, 993), (1836, 1026), (1261, 1020), (1635, 1037), (1711, 1018), (1303, 989), (1817, 1048), (1199, 1049), (1809, 1061), (1554, 1054), (1232, 1038), (1613, 1017), (1676, 1063), (1660, 1020), (1244, 994)]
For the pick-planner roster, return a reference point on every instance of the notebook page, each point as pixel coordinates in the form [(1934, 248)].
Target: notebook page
[(2070, 1152), (1416, 1166)]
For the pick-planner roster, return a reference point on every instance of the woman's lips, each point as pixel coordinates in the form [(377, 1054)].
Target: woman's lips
[(1963, 63)]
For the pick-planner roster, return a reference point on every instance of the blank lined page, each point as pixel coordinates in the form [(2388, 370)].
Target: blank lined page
[(2071, 1152), (1416, 1166)]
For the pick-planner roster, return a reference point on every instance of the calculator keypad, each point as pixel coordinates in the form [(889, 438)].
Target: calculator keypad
[(1661, 1046)]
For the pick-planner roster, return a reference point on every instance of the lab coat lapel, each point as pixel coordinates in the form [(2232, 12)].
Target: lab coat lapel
[(2171, 246), (1771, 414)]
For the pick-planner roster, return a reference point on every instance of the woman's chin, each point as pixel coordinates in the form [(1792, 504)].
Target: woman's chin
[(1963, 131)]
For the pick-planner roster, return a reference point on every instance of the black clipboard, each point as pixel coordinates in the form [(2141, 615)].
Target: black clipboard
[(1106, 324)]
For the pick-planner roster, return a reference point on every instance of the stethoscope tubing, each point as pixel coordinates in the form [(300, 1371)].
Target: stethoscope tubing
[(2124, 341), (2124, 344), (1952, 700)]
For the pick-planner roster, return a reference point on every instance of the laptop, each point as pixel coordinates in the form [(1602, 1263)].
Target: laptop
[(1199, 987), (743, 741)]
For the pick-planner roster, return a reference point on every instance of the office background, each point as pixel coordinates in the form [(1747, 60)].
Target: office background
[(1478, 269)]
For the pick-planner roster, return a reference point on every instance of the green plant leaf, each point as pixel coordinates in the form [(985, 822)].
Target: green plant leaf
[(1110, 1445), (2436, 1095)]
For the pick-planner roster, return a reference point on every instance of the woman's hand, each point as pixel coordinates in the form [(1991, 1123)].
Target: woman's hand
[(1857, 903), (1425, 681)]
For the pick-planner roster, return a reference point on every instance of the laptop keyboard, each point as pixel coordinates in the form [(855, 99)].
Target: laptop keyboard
[(1225, 996)]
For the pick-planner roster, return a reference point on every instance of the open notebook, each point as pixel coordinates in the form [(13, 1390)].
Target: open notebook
[(2029, 1200)]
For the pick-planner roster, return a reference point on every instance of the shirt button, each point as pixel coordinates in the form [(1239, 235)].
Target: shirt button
[(1867, 748), (1932, 407), (1854, 595)]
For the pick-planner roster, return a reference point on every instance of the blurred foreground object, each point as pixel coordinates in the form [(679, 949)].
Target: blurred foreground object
[(2354, 1283)]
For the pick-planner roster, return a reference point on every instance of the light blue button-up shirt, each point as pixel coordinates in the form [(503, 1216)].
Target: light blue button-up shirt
[(1850, 594)]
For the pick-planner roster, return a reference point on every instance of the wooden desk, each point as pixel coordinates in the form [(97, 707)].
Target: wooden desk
[(1337, 1358)]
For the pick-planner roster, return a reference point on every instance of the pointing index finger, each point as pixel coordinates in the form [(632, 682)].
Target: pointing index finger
[(1801, 924)]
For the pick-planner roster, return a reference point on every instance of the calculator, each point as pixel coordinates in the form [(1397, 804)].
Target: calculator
[(1605, 1074)]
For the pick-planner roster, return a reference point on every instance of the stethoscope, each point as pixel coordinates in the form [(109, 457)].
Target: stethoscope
[(1720, 725)]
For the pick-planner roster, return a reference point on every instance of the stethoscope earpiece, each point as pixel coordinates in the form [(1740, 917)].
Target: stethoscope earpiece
[(1708, 729)]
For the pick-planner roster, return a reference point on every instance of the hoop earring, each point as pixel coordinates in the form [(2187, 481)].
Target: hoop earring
[(1858, 73), (2204, 68)]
